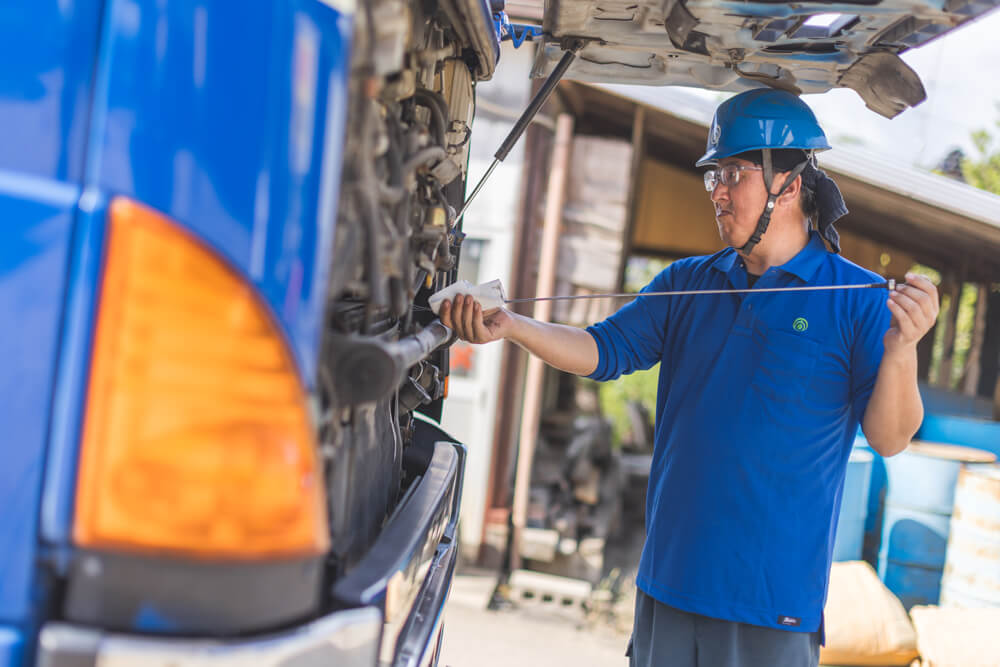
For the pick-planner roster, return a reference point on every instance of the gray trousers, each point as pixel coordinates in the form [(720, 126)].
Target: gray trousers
[(668, 637)]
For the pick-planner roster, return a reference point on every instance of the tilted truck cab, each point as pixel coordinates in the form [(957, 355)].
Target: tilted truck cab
[(221, 223)]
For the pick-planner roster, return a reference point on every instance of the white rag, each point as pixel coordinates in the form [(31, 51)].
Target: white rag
[(489, 295)]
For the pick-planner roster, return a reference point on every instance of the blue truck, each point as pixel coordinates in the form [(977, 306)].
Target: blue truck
[(220, 225)]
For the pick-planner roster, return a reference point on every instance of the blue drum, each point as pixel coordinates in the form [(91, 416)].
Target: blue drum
[(918, 508)]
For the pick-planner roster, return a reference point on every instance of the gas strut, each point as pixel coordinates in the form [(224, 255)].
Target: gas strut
[(522, 123), (888, 285)]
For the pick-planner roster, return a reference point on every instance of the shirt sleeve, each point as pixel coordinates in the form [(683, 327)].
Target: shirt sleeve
[(868, 349), (632, 339)]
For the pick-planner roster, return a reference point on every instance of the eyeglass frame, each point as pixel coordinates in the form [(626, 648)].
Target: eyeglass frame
[(713, 180)]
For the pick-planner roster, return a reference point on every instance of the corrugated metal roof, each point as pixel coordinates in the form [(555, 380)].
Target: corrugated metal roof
[(916, 184), (864, 165)]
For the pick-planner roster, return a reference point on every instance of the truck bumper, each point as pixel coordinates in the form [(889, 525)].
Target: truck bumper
[(395, 599), (408, 571), (347, 638)]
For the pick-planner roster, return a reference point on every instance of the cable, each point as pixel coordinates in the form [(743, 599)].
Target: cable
[(436, 104), (889, 285)]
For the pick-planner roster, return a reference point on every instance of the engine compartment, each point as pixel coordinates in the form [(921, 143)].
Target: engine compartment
[(398, 240)]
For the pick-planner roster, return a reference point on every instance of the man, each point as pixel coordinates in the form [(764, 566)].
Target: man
[(759, 397)]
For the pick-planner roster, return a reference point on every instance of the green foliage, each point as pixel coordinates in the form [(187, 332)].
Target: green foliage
[(968, 297), (849, 140), (963, 331), (640, 271), (639, 386), (983, 171), (927, 272), (937, 352)]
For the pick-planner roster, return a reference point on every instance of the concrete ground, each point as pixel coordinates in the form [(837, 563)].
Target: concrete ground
[(527, 635)]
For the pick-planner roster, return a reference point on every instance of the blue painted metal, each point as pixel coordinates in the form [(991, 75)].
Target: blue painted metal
[(912, 558), (938, 401), (979, 433), (912, 584), (853, 506), (922, 482), (231, 122), (915, 536), (12, 646), (37, 219), (74, 366), (280, 188), (876, 510), (517, 33), (918, 508), (47, 53), (228, 120), (876, 501)]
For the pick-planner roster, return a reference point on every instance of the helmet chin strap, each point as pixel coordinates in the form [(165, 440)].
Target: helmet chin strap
[(765, 218)]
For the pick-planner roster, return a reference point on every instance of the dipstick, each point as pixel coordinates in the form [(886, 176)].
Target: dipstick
[(888, 285)]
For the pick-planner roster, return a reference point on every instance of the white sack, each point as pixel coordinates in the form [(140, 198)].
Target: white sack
[(489, 295), (865, 623), (953, 637)]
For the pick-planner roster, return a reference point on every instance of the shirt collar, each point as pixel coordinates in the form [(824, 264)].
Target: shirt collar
[(726, 260), (804, 265)]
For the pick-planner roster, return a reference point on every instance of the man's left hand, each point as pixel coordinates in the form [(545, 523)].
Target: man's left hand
[(914, 308)]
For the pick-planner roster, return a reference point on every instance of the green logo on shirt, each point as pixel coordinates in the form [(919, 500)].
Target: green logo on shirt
[(800, 324)]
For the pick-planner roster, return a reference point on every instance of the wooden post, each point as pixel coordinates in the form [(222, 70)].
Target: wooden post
[(996, 400), (989, 368), (950, 325), (973, 364), (925, 354), (531, 411), (537, 153), (635, 170)]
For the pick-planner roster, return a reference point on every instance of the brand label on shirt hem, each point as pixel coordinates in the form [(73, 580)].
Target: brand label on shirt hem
[(790, 621)]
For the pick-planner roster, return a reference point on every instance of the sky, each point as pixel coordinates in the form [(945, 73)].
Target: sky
[(961, 74)]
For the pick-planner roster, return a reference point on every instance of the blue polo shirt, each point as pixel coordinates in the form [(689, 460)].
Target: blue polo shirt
[(758, 403)]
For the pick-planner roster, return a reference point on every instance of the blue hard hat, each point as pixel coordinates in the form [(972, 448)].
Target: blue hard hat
[(758, 119)]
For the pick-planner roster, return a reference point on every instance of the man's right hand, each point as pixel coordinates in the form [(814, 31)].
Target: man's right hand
[(567, 348), (465, 317)]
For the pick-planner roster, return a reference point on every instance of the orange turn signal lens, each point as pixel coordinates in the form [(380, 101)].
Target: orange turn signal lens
[(197, 437)]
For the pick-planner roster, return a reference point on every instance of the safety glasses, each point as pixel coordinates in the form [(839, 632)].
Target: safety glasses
[(728, 175)]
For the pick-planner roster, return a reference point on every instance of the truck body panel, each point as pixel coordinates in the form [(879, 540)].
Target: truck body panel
[(34, 248), (232, 122), (48, 51), (141, 149)]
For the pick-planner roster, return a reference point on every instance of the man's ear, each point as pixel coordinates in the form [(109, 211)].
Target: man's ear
[(791, 193)]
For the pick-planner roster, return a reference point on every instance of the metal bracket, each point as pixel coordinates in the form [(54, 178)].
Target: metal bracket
[(516, 33)]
